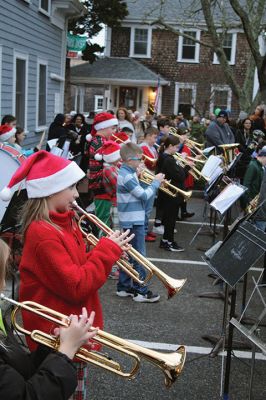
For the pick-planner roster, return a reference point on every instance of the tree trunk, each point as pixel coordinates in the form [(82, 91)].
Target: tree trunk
[(67, 99)]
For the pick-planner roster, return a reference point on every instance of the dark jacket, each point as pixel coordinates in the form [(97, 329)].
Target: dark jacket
[(261, 214), (252, 180), (246, 150), (41, 375), (217, 134), (172, 170)]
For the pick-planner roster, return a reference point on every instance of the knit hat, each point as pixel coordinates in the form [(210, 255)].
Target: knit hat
[(6, 132), (120, 137), (222, 114), (109, 152), (44, 174), (101, 121)]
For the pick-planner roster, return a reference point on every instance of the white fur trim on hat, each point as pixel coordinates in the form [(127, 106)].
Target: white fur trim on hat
[(66, 177), (106, 124), (6, 194), (113, 157), (5, 136)]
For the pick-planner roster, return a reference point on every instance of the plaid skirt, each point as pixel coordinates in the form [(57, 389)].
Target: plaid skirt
[(82, 375)]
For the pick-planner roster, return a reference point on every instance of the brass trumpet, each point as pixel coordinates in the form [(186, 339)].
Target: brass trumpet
[(172, 285), (190, 143), (171, 364), (193, 170), (166, 186), (229, 151)]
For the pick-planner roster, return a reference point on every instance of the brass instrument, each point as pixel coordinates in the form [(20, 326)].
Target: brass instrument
[(190, 143), (152, 160), (252, 205), (166, 186), (172, 285), (228, 152), (193, 170), (170, 363)]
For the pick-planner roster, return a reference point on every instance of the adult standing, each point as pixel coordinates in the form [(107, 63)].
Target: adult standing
[(124, 121), (219, 132)]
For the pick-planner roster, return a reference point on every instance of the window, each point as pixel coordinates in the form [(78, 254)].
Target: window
[(98, 103), (41, 93), (140, 42), (45, 6), (221, 97), (20, 84), (188, 49), (229, 47), (185, 98)]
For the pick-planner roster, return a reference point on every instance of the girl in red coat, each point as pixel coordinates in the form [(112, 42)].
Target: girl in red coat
[(55, 269)]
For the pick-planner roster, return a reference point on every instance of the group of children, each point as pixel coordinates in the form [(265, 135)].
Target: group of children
[(57, 271)]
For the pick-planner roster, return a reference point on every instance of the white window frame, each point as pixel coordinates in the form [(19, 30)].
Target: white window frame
[(232, 60), (180, 47), (39, 128), (217, 88), (183, 85), (96, 98), (132, 41), (25, 57), (43, 11)]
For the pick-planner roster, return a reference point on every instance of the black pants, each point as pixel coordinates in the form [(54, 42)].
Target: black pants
[(170, 206)]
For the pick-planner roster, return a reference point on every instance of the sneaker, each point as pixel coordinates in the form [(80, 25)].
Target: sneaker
[(152, 234), (158, 229), (163, 244), (188, 215), (130, 292), (174, 247), (149, 297), (149, 238)]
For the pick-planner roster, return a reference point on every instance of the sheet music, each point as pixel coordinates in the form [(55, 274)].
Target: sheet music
[(219, 171), (51, 143), (211, 166), (228, 197)]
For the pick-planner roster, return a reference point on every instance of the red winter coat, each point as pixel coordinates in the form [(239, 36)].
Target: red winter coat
[(56, 271)]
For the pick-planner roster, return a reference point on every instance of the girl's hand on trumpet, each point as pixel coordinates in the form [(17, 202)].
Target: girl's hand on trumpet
[(76, 334), (121, 239)]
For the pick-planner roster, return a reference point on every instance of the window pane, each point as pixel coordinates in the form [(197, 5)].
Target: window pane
[(20, 92), (228, 53), (141, 41), (220, 98), (140, 48), (42, 96), (189, 47), (45, 5)]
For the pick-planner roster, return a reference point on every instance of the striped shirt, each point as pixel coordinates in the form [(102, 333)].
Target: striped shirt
[(131, 197)]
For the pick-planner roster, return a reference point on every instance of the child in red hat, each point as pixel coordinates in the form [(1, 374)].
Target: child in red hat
[(104, 125), (55, 269)]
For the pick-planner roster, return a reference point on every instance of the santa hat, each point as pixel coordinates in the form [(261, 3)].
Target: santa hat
[(6, 132), (120, 137), (109, 152), (101, 121), (44, 174)]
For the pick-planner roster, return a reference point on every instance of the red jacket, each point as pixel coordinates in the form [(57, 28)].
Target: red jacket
[(151, 152), (56, 271)]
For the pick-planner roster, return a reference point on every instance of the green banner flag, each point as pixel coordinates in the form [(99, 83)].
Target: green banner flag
[(76, 42)]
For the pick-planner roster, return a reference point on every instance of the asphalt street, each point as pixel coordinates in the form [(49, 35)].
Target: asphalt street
[(182, 320)]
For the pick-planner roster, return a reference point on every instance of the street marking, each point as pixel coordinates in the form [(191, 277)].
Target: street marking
[(191, 223), (189, 262), (195, 349)]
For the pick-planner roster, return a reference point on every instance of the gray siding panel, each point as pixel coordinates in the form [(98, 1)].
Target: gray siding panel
[(25, 30)]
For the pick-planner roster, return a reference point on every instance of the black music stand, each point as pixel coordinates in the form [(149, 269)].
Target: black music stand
[(243, 246)]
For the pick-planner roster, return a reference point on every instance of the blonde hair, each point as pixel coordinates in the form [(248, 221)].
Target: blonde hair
[(4, 255), (35, 210)]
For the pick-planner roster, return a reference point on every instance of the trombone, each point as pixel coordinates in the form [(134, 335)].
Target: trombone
[(147, 177), (170, 363), (172, 285), (193, 170)]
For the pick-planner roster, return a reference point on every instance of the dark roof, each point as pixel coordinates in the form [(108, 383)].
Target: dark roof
[(115, 70), (178, 11)]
